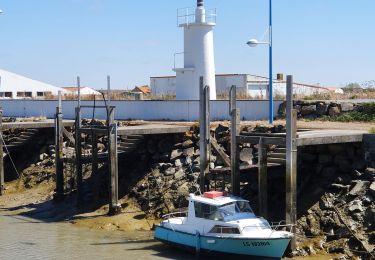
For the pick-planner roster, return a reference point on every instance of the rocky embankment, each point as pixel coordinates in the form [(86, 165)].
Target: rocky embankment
[(175, 168), (342, 221), (324, 109)]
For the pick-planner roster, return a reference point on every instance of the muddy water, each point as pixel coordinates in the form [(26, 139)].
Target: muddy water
[(22, 238)]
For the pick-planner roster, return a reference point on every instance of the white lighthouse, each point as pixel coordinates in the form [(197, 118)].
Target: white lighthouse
[(198, 53)]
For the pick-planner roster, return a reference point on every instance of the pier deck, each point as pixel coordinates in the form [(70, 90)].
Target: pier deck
[(142, 129), (319, 137)]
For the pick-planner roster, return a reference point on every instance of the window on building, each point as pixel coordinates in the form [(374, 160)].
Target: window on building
[(28, 94), (8, 94), (20, 94), (40, 94)]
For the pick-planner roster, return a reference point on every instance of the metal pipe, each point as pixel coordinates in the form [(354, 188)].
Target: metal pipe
[(270, 91)]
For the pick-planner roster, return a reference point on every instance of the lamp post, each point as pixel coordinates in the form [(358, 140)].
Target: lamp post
[(254, 43)]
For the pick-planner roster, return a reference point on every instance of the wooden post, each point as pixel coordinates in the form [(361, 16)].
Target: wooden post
[(78, 157), (204, 133), (2, 182), (291, 161), (235, 131), (94, 151), (114, 206), (59, 139), (262, 179)]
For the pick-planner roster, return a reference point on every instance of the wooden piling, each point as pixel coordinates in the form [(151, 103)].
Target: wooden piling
[(262, 178), (2, 182), (235, 131), (94, 151), (204, 133), (78, 157), (291, 160), (59, 139), (114, 205)]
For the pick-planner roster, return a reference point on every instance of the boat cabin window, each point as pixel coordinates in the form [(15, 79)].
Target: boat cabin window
[(234, 207), (207, 211), (224, 230)]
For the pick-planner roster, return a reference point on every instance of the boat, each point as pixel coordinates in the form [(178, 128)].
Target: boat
[(220, 224)]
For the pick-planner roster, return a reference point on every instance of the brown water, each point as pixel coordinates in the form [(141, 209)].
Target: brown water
[(22, 238)]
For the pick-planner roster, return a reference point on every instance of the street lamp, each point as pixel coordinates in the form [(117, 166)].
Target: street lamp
[(254, 43)]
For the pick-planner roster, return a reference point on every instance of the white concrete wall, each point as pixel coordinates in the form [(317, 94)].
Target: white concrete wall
[(163, 86), (142, 110), (225, 82)]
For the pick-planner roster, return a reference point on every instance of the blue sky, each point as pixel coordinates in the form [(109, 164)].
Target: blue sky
[(331, 42)]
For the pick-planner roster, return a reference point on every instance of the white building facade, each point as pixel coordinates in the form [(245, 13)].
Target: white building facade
[(14, 86), (250, 86)]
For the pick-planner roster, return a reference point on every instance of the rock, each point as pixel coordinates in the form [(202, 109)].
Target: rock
[(187, 144), (337, 246), (334, 111), (308, 110), (187, 161), (372, 189), (169, 171), (179, 175), (359, 188), (175, 154), (355, 206), (370, 172), (188, 151), (341, 187), (183, 189), (246, 155), (43, 156), (220, 129), (178, 163), (282, 109), (347, 107), (321, 108)]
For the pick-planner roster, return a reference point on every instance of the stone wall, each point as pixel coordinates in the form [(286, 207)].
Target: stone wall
[(316, 109)]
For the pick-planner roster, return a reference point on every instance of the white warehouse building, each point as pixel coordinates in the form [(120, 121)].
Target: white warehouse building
[(250, 85), (14, 86)]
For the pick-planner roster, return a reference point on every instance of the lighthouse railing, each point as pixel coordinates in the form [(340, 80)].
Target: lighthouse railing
[(186, 16)]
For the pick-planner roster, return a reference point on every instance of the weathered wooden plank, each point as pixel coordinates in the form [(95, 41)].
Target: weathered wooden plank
[(220, 151)]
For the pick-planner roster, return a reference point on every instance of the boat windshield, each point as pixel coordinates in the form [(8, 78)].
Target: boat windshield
[(232, 208)]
